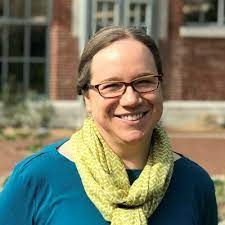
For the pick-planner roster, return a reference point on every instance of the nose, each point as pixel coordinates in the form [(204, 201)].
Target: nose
[(130, 98)]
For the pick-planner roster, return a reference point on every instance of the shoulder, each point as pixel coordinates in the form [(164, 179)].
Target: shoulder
[(192, 174), (199, 189), (191, 183), (42, 156), (39, 165), (31, 183)]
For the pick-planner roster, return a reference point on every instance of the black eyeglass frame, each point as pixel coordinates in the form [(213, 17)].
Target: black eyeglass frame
[(96, 86)]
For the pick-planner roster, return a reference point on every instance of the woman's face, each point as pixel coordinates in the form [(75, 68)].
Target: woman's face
[(130, 118)]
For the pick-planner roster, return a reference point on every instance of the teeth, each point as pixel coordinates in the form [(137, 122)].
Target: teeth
[(133, 117)]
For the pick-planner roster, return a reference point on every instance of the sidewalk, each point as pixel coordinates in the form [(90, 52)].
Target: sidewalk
[(206, 149)]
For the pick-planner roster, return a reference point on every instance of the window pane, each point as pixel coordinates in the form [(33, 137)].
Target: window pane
[(0, 77), (132, 6), (99, 6), (211, 9), (143, 13), (1, 8), (132, 13), (17, 8), (15, 77), (38, 41), (200, 11), (16, 40), (1, 40), (98, 27), (105, 13), (37, 77), (39, 8), (110, 12)]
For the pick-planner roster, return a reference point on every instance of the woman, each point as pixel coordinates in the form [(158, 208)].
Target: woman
[(119, 168)]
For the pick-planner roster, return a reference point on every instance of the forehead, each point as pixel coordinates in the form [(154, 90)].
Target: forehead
[(122, 60)]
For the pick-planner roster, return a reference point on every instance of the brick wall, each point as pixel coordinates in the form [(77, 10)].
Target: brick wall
[(63, 52), (194, 67)]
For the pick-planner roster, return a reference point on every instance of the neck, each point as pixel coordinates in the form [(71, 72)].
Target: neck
[(133, 155), (136, 159)]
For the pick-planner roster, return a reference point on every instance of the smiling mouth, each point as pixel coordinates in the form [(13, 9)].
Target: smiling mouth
[(132, 117)]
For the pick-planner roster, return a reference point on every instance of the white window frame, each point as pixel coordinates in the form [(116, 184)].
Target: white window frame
[(148, 22), (87, 19), (116, 14), (206, 30)]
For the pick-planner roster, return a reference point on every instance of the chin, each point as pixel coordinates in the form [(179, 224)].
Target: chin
[(133, 137)]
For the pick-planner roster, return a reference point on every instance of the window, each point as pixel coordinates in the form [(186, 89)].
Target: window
[(24, 31), (16, 9), (121, 12), (136, 14), (104, 14), (204, 12), (203, 18), (95, 14)]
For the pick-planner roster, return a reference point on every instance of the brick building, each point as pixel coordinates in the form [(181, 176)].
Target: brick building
[(40, 42), (195, 50)]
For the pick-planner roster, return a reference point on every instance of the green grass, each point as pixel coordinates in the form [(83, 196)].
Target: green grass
[(219, 183)]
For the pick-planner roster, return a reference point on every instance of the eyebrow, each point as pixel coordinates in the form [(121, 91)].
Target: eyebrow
[(118, 79), (115, 78)]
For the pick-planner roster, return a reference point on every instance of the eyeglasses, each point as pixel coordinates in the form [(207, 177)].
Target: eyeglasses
[(114, 89)]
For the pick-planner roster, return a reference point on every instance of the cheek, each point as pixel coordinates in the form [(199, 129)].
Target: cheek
[(158, 104), (158, 98), (154, 98), (103, 108)]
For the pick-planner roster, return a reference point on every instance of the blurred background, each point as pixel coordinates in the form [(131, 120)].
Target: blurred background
[(40, 45)]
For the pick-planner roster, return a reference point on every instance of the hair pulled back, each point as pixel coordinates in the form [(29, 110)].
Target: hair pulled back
[(104, 38)]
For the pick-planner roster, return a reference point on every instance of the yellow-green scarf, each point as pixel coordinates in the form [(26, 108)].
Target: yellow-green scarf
[(106, 182)]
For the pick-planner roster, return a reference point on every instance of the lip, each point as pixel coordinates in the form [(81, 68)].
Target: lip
[(121, 116), (131, 113)]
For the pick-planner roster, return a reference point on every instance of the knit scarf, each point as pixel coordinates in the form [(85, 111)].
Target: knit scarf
[(106, 182)]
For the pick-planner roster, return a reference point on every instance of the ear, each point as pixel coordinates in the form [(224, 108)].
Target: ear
[(87, 102)]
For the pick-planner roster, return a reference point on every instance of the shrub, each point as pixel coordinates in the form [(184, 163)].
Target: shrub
[(22, 110), (219, 183)]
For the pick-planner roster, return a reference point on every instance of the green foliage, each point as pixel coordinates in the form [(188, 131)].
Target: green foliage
[(24, 110), (38, 139), (220, 196), (45, 111), (12, 104), (35, 147), (220, 190)]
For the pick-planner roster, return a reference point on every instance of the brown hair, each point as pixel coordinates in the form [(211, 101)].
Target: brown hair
[(104, 38)]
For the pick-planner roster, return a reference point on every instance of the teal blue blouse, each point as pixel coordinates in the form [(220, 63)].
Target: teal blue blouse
[(46, 189)]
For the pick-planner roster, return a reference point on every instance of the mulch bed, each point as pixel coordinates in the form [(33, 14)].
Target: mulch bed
[(12, 151)]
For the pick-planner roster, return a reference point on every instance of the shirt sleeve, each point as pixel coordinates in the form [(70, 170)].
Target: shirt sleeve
[(211, 213), (17, 202)]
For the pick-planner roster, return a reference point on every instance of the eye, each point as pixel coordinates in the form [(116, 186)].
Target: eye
[(145, 82), (111, 86)]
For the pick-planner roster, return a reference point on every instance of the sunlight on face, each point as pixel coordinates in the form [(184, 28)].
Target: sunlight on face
[(131, 117)]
